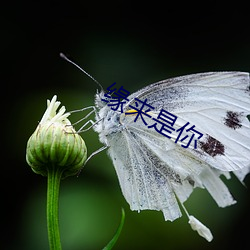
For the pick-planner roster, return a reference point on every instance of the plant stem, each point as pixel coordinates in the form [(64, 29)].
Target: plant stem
[(54, 177)]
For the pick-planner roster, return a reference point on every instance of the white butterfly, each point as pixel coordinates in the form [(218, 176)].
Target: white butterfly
[(158, 173), (155, 172)]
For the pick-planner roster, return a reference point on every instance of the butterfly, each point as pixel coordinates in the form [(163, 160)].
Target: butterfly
[(158, 172)]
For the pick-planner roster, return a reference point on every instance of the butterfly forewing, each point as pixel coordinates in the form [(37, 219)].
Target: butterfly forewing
[(216, 103)]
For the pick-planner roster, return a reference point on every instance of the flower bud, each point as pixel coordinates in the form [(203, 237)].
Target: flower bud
[(55, 144)]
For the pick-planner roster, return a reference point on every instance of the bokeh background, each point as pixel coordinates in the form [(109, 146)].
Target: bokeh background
[(131, 43)]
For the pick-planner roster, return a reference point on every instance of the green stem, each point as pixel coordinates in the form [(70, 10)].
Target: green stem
[(54, 177)]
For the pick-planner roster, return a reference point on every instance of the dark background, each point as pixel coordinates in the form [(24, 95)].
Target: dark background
[(133, 44)]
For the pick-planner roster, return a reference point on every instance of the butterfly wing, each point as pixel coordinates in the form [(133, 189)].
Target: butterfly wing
[(217, 104), (140, 182)]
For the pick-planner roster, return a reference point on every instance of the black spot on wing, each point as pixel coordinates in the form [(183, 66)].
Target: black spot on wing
[(212, 146), (233, 119), (190, 181)]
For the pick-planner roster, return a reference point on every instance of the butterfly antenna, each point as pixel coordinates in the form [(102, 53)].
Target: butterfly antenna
[(68, 60)]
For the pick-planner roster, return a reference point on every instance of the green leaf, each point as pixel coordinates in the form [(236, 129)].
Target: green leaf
[(117, 234)]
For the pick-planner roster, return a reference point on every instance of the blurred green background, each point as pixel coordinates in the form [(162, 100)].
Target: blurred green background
[(133, 44)]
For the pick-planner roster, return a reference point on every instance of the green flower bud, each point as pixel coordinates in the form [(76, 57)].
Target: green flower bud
[(55, 144)]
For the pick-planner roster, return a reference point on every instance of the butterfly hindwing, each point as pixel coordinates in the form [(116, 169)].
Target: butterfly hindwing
[(142, 183)]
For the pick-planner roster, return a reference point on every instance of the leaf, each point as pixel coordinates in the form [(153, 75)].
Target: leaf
[(117, 234)]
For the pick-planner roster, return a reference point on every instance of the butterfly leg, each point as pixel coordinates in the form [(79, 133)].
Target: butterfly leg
[(96, 152), (81, 129), (86, 116), (91, 155)]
